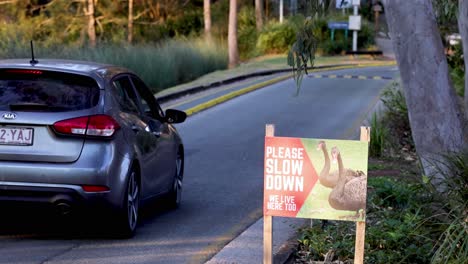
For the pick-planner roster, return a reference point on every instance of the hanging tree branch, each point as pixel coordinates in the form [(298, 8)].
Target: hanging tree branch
[(302, 52)]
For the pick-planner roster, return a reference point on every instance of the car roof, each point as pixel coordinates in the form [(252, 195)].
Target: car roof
[(104, 71)]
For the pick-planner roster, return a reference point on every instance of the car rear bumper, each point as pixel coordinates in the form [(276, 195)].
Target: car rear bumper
[(53, 183), (60, 196)]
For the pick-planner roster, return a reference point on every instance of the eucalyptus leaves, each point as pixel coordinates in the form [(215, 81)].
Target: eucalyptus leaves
[(302, 52)]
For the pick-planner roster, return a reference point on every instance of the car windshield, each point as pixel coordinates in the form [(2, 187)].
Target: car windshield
[(34, 90)]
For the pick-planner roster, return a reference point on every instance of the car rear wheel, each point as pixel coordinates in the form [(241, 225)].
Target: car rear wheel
[(175, 196), (128, 216)]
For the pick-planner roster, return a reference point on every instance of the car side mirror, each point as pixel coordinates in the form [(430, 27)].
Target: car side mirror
[(175, 116)]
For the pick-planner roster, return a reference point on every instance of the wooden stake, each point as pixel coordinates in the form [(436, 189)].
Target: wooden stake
[(268, 219), (365, 134), (361, 226), (359, 245)]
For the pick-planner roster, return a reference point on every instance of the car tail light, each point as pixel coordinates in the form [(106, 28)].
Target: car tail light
[(102, 126), (95, 188), (96, 126), (21, 71)]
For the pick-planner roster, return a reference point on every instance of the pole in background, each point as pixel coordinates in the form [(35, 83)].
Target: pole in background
[(377, 9), (355, 13), (355, 23), (281, 11)]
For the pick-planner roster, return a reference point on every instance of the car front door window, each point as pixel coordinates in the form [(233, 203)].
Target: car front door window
[(147, 100), (125, 95)]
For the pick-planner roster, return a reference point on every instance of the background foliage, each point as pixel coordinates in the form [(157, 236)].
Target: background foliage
[(167, 34)]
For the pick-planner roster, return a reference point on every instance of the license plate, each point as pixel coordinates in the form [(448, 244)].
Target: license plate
[(16, 136)]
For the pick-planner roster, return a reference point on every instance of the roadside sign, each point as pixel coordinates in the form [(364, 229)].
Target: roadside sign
[(377, 8), (333, 25), (289, 176), (294, 188), (302, 178)]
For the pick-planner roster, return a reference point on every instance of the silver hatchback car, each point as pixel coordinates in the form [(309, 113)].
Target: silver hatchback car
[(77, 134)]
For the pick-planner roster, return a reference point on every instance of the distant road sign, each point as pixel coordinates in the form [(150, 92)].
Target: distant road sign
[(354, 23), (338, 25), (343, 4)]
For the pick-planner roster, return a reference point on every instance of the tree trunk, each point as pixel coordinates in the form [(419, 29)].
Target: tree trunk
[(259, 14), (130, 22), (232, 35), (434, 113), (463, 28), (91, 24), (207, 19)]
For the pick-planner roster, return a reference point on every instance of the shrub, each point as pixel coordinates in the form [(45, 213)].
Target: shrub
[(247, 33), (321, 31), (398, 222), (336, 47), (457, 68), (188, 24), (458, 78), (276, 38), (219, 18), (366, 36)]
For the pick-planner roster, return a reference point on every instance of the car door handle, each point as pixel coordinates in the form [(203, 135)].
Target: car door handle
[(135, 128), (156, 133)]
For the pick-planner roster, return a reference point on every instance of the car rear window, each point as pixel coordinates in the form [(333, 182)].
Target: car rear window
[(35, 90)]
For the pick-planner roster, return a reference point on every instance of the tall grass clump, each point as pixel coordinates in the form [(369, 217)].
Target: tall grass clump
[(13, 42), (391, 131), (160, 65), (452, 246), (379, 134), (396, 116)]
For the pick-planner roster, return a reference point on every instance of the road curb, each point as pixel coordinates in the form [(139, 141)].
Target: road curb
[(234, 94), (286, 251), (254, 87), (201, 88)]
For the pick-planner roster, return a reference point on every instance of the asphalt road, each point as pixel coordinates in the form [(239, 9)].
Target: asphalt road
[(223, 180)]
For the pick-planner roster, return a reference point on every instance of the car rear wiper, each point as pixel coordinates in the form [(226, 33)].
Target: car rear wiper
[(35, 107)]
